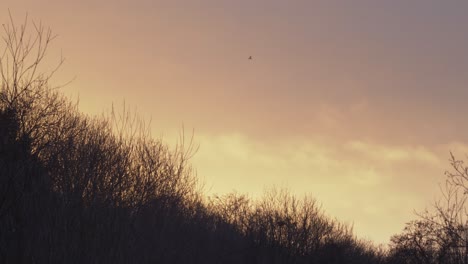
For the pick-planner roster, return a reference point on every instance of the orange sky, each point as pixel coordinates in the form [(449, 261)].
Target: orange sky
[(356, 103)]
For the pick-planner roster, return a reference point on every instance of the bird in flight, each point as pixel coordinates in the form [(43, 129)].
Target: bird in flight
[(250, 57)]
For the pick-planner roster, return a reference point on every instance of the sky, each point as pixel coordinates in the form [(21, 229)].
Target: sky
[(357, 103)]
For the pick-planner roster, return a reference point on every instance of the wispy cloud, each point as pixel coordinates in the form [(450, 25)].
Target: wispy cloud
[(357, 181)]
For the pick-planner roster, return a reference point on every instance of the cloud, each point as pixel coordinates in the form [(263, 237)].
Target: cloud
[(393, 153), (357, 181)]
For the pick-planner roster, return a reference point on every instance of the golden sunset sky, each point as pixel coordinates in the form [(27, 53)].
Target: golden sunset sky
[(357, 103)]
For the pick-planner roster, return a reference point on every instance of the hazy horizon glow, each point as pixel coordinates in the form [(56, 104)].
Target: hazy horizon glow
[(357, 103)]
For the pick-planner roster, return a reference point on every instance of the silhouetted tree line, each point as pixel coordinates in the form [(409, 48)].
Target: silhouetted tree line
[(80, 189)]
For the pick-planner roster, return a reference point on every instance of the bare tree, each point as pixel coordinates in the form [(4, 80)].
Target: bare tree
[(25, 84), (439, 235)]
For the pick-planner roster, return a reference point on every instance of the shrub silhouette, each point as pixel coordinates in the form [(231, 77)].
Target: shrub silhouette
[(77, 189)]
